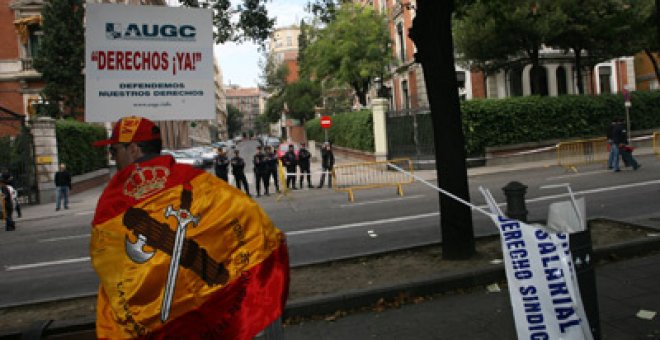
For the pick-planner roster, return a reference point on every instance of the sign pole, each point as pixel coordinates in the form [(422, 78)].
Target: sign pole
[(326, 134)]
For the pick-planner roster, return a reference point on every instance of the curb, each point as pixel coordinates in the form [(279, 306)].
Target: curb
[(364, 298)]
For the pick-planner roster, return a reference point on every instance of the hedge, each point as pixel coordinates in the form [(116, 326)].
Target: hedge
[(74, 146), (496, 122), (351, 129)]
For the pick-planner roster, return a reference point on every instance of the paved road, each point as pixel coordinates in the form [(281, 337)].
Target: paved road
[(48, 257)]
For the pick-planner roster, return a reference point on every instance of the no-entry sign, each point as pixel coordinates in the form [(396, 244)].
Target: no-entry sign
[(326, 122)]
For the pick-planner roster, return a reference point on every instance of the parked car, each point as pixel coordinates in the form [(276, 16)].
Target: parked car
[(183, 157), (284, 147), (272, 141), (207, 153)]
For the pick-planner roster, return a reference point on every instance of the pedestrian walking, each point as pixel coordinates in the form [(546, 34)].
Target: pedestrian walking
[(7, 204), (620, 137), (271, 160), (222, 272), (614, 148), (238, 170), (14, 199), (290, 162), (304, 163), (221, 165), (62, 187), (261, 174), (327, 163)]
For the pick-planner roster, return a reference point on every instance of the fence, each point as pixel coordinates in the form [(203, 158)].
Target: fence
[(581, 152), (410, 135), (369, 175)]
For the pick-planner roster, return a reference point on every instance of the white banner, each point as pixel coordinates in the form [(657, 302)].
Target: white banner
[(542, 283), (151, 61)]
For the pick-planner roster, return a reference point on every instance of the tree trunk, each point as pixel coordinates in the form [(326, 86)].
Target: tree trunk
[(578, 70), (654, 62), (431, 33), (361, 93)]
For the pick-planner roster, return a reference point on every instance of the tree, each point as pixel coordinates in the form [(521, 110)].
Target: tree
[(325, 10), (490, 33), (432, 34), (602, 29), (234, 120), (61, 54), (301, 98), (353, 49), (252, 24)]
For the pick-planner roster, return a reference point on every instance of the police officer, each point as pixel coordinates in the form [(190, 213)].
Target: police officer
[(303, 162), (238, 170), (260, 171), (7, 204), (289, 160), (327, 163), (271, 161), (221, 165)]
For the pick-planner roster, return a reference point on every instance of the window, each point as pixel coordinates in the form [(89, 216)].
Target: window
[(289, 41), (402, 41), (562, 87), (33, 42), (460, 81), (405, 94), (515, 82), (538, 78), (605, 76)]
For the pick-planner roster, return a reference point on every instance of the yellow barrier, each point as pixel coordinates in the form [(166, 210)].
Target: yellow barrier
[(369, 175), (656, 143), (580, 152), (281, 174)]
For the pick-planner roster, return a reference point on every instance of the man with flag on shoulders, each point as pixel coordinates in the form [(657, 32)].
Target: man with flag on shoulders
[(179, 252)]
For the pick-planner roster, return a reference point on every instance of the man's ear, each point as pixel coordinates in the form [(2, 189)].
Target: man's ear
[(134, 151)]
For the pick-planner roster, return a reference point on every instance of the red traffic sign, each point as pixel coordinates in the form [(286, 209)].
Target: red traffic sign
[(326, 122)]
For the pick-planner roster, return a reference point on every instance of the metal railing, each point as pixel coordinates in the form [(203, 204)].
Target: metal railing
[(582, 152), (370, 175)]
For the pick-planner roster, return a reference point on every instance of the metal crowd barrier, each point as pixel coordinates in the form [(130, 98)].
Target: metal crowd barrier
[(581, 152), (369, 175), (656, 143)]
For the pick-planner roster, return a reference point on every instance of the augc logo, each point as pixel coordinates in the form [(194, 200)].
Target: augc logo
[(134, 31)]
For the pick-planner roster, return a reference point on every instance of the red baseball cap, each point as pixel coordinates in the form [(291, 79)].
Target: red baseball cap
[(131, 129)]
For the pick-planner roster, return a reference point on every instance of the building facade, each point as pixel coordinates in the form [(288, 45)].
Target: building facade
[(408, 88), (283, 48), (250, 101)]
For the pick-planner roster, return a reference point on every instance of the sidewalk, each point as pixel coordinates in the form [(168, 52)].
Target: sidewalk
[(623, 287), (83, 202)]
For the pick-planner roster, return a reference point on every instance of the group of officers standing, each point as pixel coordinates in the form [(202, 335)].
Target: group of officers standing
[(265, 166)]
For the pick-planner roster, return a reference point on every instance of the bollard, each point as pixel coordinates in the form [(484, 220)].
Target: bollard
[(515, 201), (582, 254)]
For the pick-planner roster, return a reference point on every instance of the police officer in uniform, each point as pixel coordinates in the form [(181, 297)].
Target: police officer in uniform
[(271, 161), (303, 162), (289, 160), (260, 171), (221, 165), (238, 170), (327, 163)]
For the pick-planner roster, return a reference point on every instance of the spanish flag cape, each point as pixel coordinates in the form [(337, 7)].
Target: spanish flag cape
[(233, 273)]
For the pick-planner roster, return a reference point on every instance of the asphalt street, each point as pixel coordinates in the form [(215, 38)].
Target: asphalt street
[(47, 257)]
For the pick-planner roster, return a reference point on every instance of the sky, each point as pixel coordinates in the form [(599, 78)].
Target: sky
[(240, 63)]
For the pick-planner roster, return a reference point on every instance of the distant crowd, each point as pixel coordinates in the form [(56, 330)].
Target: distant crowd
[(265, 166)]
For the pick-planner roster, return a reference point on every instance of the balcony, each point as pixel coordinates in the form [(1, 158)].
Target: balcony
[(27, 64)]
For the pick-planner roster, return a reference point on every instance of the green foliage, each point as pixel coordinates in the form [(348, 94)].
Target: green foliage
[(234, 120), (62, 52), (495, 122), (351, 50), (352, 130), (301, 97), (246, 22), (74, 146)]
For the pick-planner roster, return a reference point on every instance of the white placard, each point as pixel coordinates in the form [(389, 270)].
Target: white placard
[(545, 297), (150, 61)]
